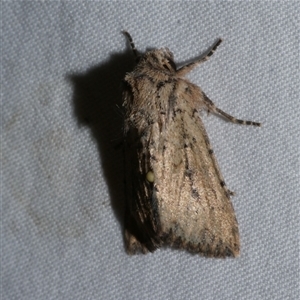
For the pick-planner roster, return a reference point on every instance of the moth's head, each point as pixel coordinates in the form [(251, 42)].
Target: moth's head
[(158, 59)]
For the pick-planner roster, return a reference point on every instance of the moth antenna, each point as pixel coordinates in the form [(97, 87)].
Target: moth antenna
[(235, 120), (131, 43), (188, 67), (211, 107)]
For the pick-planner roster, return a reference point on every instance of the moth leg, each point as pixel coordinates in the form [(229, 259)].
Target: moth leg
[(222, 181), (211, 153), (131, 43), (188, 67), (231, 193), (212, 107)]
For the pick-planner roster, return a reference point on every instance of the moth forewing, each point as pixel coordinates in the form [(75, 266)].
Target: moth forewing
[(176, 194)]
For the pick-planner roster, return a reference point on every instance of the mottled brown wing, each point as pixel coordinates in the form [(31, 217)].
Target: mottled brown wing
[(187, 205), (141, 225), (193, 205)]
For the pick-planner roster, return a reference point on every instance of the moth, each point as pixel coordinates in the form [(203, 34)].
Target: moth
[(176, 195)]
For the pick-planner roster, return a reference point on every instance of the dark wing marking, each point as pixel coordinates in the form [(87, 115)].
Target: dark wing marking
[(140, 219)]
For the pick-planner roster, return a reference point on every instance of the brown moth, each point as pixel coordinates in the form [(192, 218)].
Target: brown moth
[(176, 194)]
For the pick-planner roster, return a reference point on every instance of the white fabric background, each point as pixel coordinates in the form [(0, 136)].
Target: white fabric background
[(62, 187)]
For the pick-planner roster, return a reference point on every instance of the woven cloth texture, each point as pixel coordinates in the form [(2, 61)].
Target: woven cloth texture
[(62, 190)]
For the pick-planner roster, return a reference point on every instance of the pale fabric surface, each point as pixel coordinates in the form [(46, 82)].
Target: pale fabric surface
[(62, 170)]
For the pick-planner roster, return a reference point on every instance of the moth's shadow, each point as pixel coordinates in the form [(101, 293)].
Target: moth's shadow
[(97, 99)]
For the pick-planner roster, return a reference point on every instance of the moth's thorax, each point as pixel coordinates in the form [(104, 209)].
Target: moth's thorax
[(161, 60)]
